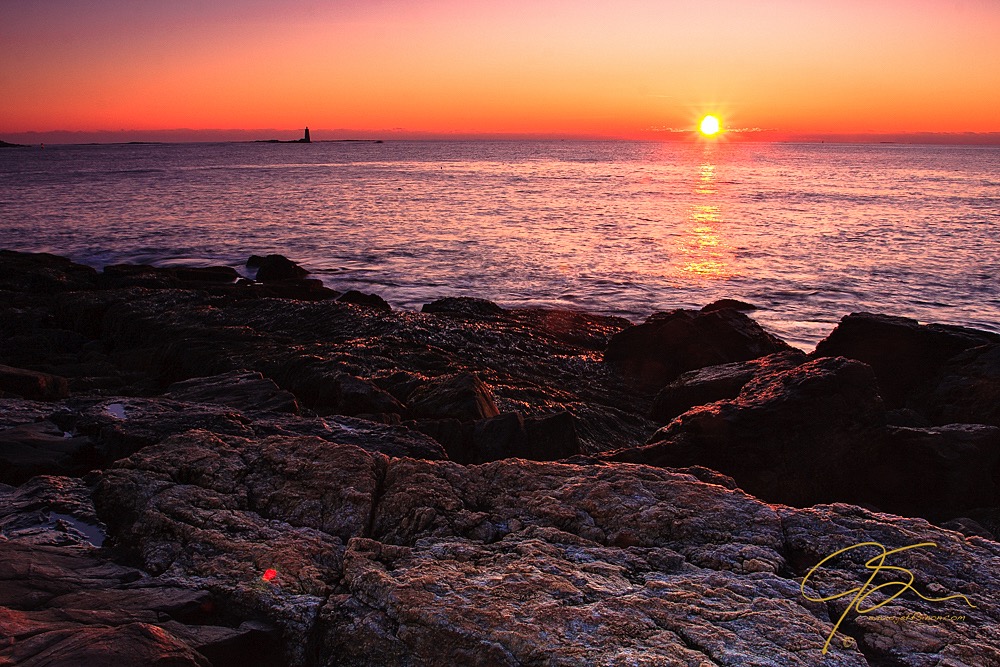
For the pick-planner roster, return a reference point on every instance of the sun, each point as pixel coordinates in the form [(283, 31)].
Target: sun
[(710, 126)]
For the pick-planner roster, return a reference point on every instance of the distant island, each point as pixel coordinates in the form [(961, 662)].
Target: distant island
[(304, 140), (4, 144)]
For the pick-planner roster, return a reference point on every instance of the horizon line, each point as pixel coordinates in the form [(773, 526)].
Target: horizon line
[(218, 135)]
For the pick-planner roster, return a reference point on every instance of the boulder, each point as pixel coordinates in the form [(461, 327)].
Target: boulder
[(43, 273), (966, 389), (32, 384), (461, 396), (463, 305), (368, 300), (716, 383), (801, 436), (275, 267), (241, 389), (667, 344), (905, 355), (327, 390), (731, 304)]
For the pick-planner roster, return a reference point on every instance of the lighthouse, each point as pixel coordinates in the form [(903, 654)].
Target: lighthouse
[(306, 139)]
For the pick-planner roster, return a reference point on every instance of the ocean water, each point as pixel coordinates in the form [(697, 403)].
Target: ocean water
[(807, 232)]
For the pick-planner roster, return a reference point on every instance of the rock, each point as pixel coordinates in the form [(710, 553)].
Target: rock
[(966, 390), (50, 511), (42, 447), (937, 473), (800, 437), (118, 276), (551, 437), (716, 383), (461, 396), (330, 391), (904, 354), (588, 331), (402, 562), (667, 344), (732, 304), (62, 602), (969, 528), (43, 273), (369, 300), (275, 267), (32, 384), (240, 389), (463, 305)]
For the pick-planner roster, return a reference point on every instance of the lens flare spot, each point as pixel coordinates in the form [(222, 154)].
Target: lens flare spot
[(269, 574)]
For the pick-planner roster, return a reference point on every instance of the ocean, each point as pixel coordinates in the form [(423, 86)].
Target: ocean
[(806, 232)]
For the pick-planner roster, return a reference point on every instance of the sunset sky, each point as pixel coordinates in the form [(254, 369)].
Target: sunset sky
[(630, 68)]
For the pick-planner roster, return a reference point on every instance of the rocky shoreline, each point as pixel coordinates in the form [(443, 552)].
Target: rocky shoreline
[(200, 469)]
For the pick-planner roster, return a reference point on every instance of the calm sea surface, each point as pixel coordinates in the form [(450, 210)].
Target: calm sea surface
[(806, 232)]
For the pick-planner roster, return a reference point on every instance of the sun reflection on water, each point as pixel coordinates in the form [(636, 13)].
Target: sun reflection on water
[(703, 251)]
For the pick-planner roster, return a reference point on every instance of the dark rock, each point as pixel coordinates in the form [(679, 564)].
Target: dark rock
[(453, 434), (731, 304), (592, 332), (118, 276), (43, 273), (667, 344), (43, 447), (968, 527), (936, 473), (716, 383), (905, 355), (307, 289), (32, 384), (240, 389), (967, 389), (460, 396), (801, 436), (330, 391), (500, 437), (551, 437), (275, 267), (463, 305), (391, 440), (121, 426), (369, 300)]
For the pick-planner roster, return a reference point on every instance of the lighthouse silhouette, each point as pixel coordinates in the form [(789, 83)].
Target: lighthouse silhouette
[(306, 139)]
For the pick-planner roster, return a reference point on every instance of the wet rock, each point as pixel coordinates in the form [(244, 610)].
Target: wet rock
[(50, 511), (240, 389), (904, 354), (461, 396), (391, 440), (275, 267), (32, 384), (966, 390), (463, 305), (551, 437), (667, 344), (716, 383), (369, 300)]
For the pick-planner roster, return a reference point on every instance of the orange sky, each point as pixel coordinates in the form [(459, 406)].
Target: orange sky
[(631, 68)]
